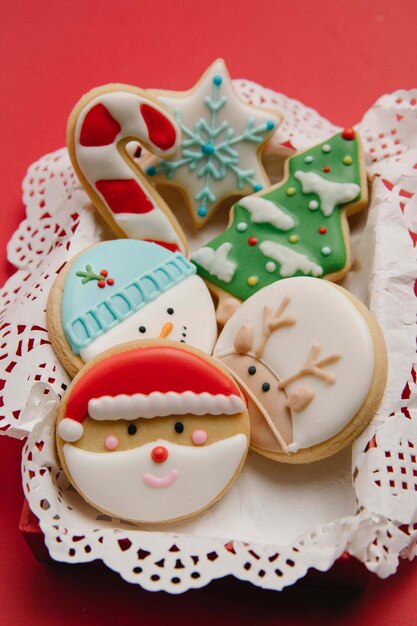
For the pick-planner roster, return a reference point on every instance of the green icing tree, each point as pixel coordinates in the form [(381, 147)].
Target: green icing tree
[(295, 228)]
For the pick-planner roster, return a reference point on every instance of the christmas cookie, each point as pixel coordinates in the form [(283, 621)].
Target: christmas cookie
[(100, 128), (297, 227), (153, 432), (219, 154), (311, 360), (122, 290)]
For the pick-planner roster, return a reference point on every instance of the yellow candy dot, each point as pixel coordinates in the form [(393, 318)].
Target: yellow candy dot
[(293, 238), (347, 160), (291, 191), (252, 281)]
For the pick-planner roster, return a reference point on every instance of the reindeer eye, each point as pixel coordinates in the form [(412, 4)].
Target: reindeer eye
[(251, 370), (266, 387)]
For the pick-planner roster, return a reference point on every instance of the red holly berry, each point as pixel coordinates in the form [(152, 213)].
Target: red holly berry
[(252, 241), (104, 273), (110, 281), (322, 230), (348, 134), (326, 168), (101, 284)]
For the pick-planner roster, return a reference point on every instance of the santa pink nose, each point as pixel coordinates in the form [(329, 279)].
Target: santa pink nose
[(159, 454)]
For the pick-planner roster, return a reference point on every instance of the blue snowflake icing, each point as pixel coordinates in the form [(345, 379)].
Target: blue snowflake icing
[(208, 150)]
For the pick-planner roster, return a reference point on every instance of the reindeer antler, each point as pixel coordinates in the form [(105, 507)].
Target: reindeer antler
[(312, 367), (273, 322)]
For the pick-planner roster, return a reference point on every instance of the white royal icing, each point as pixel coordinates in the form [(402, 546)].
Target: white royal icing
[(193, 320), (324, 316), (235, 167), (265, 211), (157, 404), (290, 261), (106, 163), (115, 481), (216, 261), (330, 193)]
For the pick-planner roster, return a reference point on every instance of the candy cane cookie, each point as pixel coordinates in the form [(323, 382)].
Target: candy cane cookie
[(101, 125)]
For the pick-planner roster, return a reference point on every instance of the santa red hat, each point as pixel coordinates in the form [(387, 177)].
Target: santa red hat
[(155, 381)]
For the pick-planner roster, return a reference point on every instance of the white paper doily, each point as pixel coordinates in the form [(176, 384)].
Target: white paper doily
[(273, 524)]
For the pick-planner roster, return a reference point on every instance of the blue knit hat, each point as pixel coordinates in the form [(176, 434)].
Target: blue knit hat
[(112, 280)]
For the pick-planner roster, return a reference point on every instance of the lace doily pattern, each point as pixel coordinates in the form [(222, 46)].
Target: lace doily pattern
[(60, 222)]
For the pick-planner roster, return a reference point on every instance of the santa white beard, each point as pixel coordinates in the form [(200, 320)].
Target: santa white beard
[(119, 482)]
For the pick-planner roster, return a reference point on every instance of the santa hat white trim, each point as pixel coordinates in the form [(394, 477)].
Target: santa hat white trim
[(158, 404)]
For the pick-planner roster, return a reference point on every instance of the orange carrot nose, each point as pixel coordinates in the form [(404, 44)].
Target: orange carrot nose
[(165, 330)]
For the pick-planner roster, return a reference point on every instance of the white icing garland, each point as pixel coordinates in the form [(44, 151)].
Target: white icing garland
[(330, 193), (265, 211), (290, 260), (217, 262)]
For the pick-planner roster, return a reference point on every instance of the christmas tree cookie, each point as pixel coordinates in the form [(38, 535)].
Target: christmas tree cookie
[(295, 228), (219, 156)]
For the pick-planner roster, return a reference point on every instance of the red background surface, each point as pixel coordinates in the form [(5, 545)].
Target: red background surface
[(335, 56)]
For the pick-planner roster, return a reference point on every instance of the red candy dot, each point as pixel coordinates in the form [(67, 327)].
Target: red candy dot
[(348, 134), (104, 273), (101, 284), (326, 168), (252, 241), (322, 230), (159, 454), (110, 281)]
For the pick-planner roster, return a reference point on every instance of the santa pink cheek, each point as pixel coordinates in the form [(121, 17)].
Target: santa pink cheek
[(199, 437), (111, 442)]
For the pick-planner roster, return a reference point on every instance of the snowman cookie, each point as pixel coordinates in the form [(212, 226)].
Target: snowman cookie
[(122, 290), (152, 431), (312, 363), (297, 227)]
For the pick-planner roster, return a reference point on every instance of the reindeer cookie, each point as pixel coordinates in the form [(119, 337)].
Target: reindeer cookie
[(312, 363), (152, 431)]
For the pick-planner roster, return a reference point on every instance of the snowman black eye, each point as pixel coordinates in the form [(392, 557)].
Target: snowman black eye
[(251, 370), (132, 429), (170, 311), (266, 387), (142, 329), (179, 427)]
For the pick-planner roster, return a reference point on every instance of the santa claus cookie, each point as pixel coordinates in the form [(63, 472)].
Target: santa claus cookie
[(297, 227), (122, 290), (312, 363), (219, 155), (152, 432)]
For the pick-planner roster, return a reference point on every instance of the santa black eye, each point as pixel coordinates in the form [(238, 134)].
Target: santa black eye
[(132, 429), (251, 370), (266, 387), (142, 329), (170, 311), (179, 427)]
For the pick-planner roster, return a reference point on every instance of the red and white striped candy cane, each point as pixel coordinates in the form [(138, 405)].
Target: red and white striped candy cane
[(101, 125)]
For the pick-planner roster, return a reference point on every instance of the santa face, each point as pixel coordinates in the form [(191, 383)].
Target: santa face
[(156, 470), (185, 313)]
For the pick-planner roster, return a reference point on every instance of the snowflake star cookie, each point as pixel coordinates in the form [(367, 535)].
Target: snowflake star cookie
[(297, 227), (100, 128), (312, 363), (122, 290), (153, 432), (222, 140)]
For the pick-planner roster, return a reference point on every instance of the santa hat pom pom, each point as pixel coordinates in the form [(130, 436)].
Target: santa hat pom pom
[(70, 430)]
